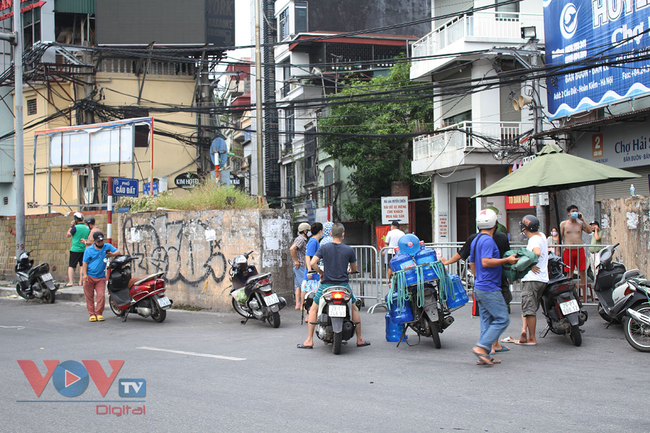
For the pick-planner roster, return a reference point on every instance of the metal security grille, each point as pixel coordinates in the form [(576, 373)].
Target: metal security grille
[(351, 52), (31, 107), (271, 136)]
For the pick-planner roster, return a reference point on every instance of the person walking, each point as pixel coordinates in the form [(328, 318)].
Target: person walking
[(535, 281), (297, 251), (336, 258), (93, 274), (79, 233), (485, 262)]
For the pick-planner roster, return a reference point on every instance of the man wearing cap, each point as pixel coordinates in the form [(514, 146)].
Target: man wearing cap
[(93, 274), (78, 231), (297, 250)]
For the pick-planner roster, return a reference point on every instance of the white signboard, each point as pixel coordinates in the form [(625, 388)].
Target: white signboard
[(620, 146), (100, 145), (394, 209)]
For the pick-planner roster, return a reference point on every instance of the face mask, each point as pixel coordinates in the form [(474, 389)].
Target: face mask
[(553, 233), (574, 215)]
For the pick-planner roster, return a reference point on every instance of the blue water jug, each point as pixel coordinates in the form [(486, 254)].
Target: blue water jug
[(394, 330), (399, 315), (424, 257), (409, 244), (402, 262), (459, 297)]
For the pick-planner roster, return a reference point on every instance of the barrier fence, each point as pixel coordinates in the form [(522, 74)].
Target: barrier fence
[(371, 284)]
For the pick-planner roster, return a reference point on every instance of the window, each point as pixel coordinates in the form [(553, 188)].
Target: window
[(6, 201), (31, 107), (328, 175), (289, 127), (31, 27), (301, 17), (283, 24), (291, 181), (458, 118)]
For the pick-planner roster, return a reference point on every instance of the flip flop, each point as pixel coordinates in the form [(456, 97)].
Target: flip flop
[(503, 349), (509, 340), (302, 346), (484, 359), (525, 343), (367, 343)]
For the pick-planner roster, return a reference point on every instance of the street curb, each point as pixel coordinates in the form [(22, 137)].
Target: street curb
[(64, 294)]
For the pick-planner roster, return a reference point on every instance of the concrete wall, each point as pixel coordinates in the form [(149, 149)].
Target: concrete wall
[(45, 234), (627, 220), (193, 248)]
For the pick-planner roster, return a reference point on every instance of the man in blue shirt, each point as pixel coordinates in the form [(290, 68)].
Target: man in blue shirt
[(93, 274), (485, 262)]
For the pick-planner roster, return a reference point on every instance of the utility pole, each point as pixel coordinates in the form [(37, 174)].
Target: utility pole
[(18, 111), (537, 105), (258, 103)]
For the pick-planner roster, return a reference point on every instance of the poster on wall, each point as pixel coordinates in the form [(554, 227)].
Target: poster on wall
[(585, 35)]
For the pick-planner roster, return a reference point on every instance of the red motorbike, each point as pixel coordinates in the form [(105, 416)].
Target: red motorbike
[(142, 295)]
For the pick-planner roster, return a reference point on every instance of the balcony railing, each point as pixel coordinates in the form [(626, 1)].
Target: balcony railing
[(464, 134), (490, 25)]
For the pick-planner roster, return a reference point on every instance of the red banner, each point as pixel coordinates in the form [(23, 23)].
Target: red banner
[(518, 202), (6, 4), (381, 232)]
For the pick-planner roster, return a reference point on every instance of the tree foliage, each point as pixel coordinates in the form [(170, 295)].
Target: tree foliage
[(374, 144)]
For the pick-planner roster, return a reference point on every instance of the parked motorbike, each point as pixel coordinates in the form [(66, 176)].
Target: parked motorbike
[(623, 296), (335, 323), (252, 293), (560, 303), (432, 317), (34, 282), (144, 296)]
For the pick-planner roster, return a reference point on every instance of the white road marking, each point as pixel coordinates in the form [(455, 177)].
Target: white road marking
[(12, 327), (205, 355)]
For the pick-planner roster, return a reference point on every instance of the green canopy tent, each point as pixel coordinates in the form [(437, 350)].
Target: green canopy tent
[(554, 170)]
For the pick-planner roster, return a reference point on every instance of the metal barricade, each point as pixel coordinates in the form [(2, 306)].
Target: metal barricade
[(369, 283)]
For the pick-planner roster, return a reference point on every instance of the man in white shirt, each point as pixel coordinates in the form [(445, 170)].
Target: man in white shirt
[(392, 238), (534, 282)]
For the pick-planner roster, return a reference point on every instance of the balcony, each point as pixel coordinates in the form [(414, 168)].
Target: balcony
[(471, 32), (460, 144)]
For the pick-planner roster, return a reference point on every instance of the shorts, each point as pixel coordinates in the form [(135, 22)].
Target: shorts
[(531, 293), (298, 275), (324, 286), (76, 258), (310, 285), (574, 257)]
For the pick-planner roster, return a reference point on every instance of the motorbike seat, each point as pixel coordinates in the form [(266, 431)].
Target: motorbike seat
[(139, 280), (563, 287)]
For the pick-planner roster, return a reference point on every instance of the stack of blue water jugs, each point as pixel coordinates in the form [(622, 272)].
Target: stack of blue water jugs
[(411, 253)]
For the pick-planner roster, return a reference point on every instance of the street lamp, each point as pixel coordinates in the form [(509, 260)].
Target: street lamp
[(529, 32)]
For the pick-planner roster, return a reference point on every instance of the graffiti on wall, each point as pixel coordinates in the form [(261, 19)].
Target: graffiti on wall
[(186, 251)]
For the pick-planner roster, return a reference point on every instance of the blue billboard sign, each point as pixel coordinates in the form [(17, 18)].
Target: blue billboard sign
[(146, 186), (124, 187), (580, 32)]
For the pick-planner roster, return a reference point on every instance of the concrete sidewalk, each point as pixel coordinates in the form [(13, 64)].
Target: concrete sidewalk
[(66, 294)]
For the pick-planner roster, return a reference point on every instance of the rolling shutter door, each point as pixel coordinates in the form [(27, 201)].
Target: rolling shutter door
[(622, 189)]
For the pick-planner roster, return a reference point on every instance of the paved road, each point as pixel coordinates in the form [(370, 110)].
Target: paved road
[(254, 378)]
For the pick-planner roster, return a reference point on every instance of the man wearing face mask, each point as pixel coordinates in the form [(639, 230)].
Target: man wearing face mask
[(571, 231)]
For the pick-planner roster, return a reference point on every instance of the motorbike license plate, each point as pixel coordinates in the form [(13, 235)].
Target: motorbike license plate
[(272, 299), (337, 311), (569, 307), (46, 277), (164, 302)]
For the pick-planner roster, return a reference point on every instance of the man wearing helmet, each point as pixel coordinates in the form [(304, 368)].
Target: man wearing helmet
[(485, 262), (78, 231), (90, 222), (534, 282), (297, 250)]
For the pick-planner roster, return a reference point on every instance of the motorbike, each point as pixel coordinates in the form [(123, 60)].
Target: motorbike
[(623, 296), (141, 295), (560, 303), (430, 316), (334, 323), (34, 281), (252, 293)]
